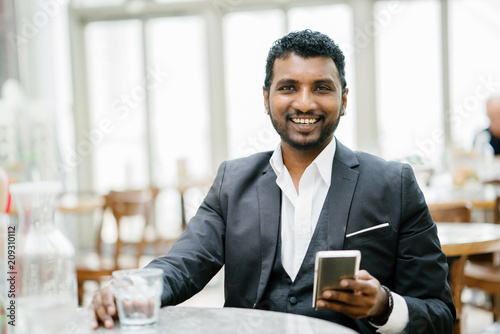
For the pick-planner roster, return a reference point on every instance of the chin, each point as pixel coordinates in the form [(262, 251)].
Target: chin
[(305, 145)]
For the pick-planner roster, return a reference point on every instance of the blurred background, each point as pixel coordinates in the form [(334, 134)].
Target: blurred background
[(152, 95), (115, 94)]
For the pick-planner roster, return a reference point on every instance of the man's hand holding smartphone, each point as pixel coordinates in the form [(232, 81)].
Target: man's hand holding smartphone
[(362, 297)]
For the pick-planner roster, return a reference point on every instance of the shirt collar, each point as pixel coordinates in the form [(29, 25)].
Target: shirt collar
[(276, 161), (323, 161)]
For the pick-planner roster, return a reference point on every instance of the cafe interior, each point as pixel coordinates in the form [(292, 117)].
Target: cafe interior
[(131, 105)]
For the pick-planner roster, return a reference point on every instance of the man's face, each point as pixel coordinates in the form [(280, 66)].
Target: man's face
[(305, 101), (493, 112)]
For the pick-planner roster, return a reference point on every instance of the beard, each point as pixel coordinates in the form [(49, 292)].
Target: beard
[(326, 132)]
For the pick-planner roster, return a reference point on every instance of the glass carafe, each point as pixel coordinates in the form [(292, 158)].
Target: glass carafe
[(46, 258)]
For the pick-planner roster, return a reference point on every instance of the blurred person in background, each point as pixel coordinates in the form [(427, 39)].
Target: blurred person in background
[(492, 133)]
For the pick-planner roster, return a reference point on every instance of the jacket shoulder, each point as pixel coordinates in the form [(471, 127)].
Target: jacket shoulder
[(258, 161), (367, 160)]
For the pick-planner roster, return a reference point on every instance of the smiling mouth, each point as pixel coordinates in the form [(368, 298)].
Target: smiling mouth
[(304, 120)]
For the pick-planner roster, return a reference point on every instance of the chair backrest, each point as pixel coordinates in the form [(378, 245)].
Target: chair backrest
[(129, 202), (126, 204), (451, 212), (496, 211)]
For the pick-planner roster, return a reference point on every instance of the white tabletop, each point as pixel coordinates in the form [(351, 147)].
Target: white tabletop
[(469, 238), (196, 320)]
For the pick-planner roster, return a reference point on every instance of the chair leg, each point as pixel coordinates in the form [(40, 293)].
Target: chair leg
[(495, 299), (81, 292)]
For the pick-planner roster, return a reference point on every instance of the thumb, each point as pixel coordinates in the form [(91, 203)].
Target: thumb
[(364, 275)]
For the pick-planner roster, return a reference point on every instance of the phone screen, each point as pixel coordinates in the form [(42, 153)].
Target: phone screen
[(332, 266)]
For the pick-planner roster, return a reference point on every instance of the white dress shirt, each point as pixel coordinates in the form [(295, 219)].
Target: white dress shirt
[(300, 211)]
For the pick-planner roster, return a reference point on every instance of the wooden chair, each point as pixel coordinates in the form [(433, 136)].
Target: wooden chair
[(100, 264), (459, 212), (484, 273)]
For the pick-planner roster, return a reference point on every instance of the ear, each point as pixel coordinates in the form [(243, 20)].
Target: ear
[(266, 98), (344, 101)]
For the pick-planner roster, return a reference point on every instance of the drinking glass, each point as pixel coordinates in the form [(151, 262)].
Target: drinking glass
[(138, 295)]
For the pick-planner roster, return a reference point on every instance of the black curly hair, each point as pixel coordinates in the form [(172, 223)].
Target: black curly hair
[(306, 44)]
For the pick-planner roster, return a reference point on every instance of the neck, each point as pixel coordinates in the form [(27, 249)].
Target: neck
[(296, 161)]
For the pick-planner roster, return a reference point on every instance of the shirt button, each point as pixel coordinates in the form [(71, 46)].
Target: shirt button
[(293, 300)]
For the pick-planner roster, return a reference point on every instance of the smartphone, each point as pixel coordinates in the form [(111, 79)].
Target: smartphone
[(332, 266)]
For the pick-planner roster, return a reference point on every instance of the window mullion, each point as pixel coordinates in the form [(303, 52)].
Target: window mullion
[(147, 105)]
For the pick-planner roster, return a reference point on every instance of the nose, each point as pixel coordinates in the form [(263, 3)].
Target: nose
[(304, 101)]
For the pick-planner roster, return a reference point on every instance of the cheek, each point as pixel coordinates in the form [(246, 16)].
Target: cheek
[(278, 103), (335, 110)]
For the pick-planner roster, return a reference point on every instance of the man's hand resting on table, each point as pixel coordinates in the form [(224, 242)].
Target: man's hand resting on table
[(103, 306), (368, 300)]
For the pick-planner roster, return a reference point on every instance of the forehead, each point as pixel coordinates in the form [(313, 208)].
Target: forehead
[(295, 67)]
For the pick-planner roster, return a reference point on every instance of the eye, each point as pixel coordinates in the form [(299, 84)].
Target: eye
[(324, 88), (286, 88)]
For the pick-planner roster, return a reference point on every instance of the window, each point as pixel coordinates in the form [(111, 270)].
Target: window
[(250, 129), (408, 65), (179, 101), (474, 66), (117, 105)]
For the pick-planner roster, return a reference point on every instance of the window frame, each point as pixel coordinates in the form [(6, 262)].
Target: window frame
[(212, 12)]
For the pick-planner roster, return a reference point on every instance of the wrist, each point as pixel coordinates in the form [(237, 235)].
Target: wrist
[(383, 317)]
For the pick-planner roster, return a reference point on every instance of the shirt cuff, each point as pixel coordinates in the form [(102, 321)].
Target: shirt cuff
[(398, 320)]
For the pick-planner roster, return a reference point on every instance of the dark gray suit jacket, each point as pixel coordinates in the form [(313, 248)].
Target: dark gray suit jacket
[(237, 225)]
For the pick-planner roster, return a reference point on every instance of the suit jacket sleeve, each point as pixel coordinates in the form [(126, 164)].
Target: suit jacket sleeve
[(421, 265), (198, 254), (404, 253)]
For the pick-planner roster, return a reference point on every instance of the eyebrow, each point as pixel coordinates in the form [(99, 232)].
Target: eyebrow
[(327, 81), (292, 81), (286, 81)]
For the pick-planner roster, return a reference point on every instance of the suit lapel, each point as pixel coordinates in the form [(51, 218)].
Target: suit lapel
[(339, 198), (269, 199), (342, 187)]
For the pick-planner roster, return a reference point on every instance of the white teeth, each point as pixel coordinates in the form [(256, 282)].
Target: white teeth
[(304, 120)]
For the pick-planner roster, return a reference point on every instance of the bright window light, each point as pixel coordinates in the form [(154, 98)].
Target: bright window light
[(474, 66), (408, 68), (249, 129), (117, 109)]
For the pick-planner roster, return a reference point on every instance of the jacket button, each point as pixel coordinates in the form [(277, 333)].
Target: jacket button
[(293, 300)]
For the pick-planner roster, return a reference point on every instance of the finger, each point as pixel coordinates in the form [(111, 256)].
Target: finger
[(101, 310), (344, 297), (127, 306), (142, 307), (364, 283), (93, 321), (364, 275), (151, 306), (352, 311), (108, 300), (358, 285)]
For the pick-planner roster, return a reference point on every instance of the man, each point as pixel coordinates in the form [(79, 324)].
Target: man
[(267, 215), (492, 133)]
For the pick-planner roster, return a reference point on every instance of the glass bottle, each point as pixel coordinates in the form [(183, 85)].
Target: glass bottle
[(46, 258)]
